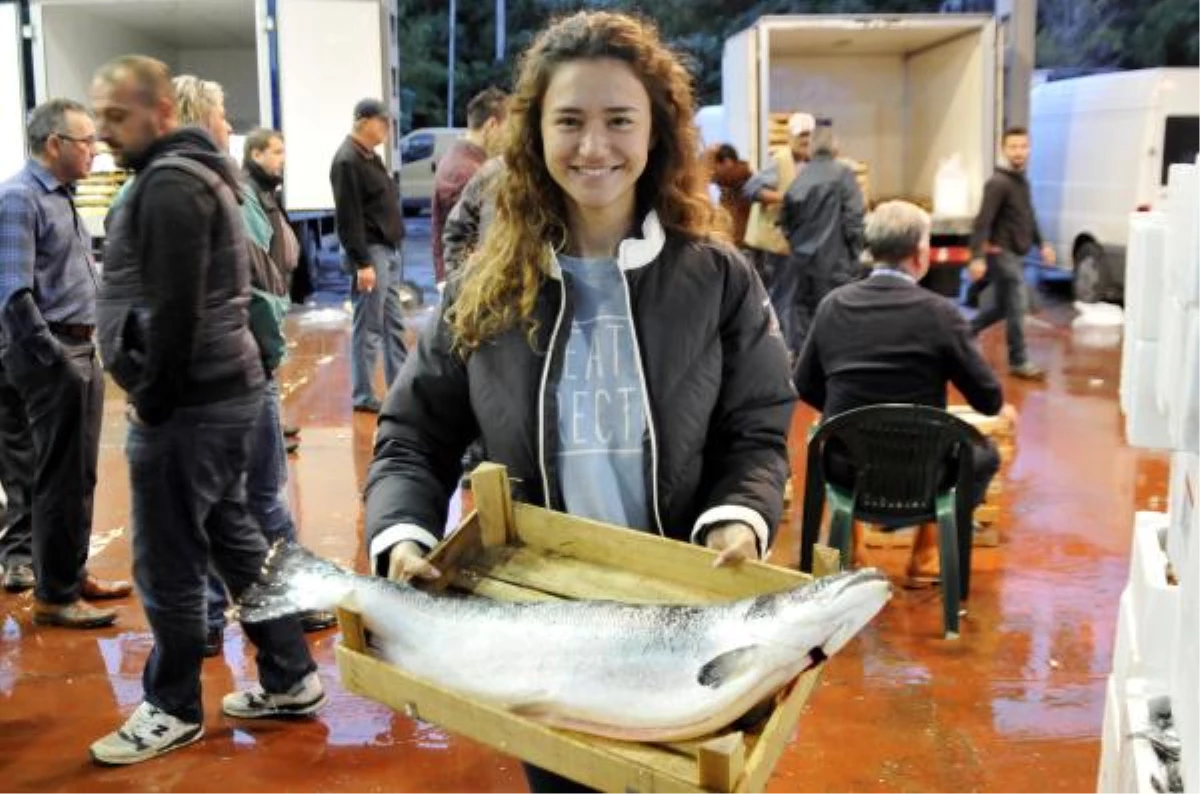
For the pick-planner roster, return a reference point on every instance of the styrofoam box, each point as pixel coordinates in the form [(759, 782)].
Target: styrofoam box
[(1125, 387), (1145, 271), (1170, 348), (1181, 509), (1182, 246), (1154, 601), (1183, 414), (1145, 425), (1185, 694), (1137, 759), (1112, 737)]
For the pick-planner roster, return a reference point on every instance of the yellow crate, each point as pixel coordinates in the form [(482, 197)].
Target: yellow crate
[(517, 552)]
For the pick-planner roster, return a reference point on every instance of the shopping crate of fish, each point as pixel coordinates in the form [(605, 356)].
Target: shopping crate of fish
[(615, 658)]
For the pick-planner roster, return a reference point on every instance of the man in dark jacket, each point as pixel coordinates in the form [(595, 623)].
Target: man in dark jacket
[(172, 321), (485, 115), (887, 340), (371, 229), (1005, 229), (822, 218)]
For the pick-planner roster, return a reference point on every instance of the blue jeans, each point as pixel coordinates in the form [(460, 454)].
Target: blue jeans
[(266, 492), (378, 321), (1006, 274), (187, 480)]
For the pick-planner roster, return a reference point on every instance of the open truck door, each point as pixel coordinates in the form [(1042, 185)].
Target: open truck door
[(12, 89)]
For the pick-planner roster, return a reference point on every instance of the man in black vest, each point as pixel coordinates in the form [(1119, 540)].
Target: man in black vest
[(173, 330)]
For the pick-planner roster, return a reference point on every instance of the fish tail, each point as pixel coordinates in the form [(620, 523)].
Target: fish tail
[(293, 579)]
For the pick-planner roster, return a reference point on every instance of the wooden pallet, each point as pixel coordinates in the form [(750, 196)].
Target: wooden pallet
[(516, 552)]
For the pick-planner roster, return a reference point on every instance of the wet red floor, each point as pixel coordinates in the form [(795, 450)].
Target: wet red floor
[(1014, 705)]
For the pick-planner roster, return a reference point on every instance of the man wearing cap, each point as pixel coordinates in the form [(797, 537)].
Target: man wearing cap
[(370, 229), (767, 189)]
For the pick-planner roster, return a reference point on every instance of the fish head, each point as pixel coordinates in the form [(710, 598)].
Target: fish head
[(821, 617)]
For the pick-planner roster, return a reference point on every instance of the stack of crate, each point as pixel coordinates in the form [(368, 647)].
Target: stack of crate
[(1001, 431), (1156, 653)]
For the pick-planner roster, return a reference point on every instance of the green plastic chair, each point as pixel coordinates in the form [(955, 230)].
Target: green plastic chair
[(902, 457)]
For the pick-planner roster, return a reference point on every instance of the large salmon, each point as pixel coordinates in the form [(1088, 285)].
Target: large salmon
[(627, 671)]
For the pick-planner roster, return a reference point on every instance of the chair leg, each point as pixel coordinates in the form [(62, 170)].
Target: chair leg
[(948, 552), (840, 531)]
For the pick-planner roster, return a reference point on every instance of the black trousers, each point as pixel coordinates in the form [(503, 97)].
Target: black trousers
[(64, 403), (16, 475), (187, 480)]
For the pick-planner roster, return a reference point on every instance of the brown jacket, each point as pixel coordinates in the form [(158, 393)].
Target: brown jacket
[(730, 179)]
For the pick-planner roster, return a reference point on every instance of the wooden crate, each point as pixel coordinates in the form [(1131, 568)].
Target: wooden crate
[(516, 552)]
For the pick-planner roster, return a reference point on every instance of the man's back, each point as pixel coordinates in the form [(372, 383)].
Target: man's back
[(886, 339)]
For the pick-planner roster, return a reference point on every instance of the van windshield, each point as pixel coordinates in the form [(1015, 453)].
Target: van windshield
[(1181, 142)]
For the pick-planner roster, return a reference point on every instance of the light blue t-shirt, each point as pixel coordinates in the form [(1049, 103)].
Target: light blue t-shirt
[(601, 418)]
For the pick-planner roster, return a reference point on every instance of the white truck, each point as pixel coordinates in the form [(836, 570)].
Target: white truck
[(905, 93), (1102, 146), (295, 65)]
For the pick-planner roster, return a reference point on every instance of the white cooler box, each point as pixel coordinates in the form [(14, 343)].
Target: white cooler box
[(1146, 424)]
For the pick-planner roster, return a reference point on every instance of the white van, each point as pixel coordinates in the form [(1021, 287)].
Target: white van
[(420, 151), (1101, 147)]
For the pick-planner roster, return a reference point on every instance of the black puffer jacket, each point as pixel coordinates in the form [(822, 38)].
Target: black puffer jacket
[(714, 368), (172, 308)]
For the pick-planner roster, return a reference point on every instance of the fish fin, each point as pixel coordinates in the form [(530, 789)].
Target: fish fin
[(727, 666), (292, 580)]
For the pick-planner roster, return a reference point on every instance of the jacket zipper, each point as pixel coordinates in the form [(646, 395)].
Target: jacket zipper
[(637, 354), (542, 419)]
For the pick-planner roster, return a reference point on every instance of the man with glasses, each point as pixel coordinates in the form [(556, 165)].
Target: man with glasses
[(51, 381)]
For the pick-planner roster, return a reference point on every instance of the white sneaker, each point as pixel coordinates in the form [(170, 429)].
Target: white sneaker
[(148, 732), (302, 699)]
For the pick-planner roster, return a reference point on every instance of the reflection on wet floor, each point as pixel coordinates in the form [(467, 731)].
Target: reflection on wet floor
[(1015, 704)]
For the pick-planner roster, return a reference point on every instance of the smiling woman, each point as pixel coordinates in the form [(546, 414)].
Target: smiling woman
[(605, 342)]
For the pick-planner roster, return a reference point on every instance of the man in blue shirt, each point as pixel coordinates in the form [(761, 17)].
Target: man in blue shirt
[(47, 318)]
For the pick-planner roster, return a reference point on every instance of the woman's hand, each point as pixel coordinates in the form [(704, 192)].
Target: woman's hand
[(407, 560), (734, 540)]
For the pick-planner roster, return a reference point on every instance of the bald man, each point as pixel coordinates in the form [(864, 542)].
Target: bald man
[(173, 330)]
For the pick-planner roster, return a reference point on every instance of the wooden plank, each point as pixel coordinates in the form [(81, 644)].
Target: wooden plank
[(354, 635), (571, 577), (649, 555), (777, 733), (493, 503), (826, 561), (471, 580), (721, 762), (987, 514), (455, 552), (592, 763)]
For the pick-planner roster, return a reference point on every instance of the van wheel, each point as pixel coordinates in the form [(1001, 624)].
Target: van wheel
[(1091, 275)]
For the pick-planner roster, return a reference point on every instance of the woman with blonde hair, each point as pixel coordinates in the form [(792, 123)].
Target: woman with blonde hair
[(606, 342)]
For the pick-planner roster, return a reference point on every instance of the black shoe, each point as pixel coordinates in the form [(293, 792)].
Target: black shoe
[(290, 431), (19, 578), (370, 407), (291, 445), (214, 642), (1028, 371), (317, 620)]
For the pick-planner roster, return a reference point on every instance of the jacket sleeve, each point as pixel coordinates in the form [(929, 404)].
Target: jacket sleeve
[(852, 213), (993, 197), (348, 212), (176, 220), (425, 426), (810, 375), (968, 370), (766, 179), (746, 459), (461, 233)]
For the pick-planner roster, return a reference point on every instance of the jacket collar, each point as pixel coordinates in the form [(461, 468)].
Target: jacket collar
[(633, 252)]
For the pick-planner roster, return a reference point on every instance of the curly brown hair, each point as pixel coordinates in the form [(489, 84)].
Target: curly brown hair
[(502, 278)]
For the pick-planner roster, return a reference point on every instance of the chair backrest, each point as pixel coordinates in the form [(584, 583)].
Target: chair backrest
[(900, 454)]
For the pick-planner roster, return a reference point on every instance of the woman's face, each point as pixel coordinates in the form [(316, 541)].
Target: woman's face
[(596, 128)]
